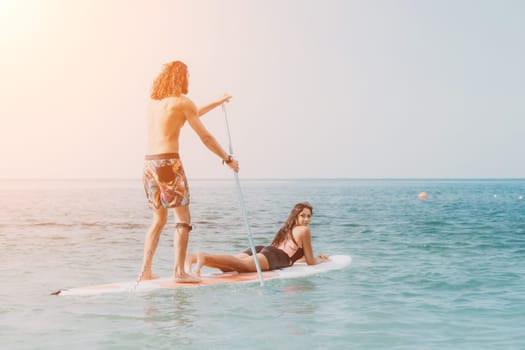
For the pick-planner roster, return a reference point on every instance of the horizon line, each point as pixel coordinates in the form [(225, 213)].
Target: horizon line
[(261, 178)]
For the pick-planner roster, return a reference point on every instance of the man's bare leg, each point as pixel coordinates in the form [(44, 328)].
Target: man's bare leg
[(160, 216), (180, 245)]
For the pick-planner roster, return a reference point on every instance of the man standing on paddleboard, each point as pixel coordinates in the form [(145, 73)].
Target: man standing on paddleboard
[(165, 182)]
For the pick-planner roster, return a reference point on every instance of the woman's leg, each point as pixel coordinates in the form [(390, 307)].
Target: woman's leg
[(230, 263), (191, 259)]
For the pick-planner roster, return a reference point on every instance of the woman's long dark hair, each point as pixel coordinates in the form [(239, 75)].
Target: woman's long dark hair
[(286, 230)]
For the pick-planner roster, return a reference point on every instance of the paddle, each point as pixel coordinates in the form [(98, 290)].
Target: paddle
[(241, 200)]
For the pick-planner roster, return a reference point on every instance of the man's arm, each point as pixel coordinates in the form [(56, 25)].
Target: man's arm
[(205, 109), (190, 111)]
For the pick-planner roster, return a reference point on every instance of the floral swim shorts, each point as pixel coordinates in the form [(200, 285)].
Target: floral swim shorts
[(165, 182)]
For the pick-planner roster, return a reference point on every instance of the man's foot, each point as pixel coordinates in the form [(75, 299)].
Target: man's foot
[(148, 276), (186, 278)]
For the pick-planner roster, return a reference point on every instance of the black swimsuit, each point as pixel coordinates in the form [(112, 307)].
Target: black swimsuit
[(277, 258)]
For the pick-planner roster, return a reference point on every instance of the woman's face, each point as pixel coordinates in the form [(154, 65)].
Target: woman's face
[(304, 217)]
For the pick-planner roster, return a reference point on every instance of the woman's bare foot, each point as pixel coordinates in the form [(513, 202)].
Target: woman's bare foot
[(201, 260), (191, 258)]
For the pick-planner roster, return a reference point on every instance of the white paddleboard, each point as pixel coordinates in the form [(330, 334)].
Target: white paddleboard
[(297, 270)]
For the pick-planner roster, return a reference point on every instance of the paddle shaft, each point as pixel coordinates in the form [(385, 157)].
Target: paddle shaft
[(241, 201)]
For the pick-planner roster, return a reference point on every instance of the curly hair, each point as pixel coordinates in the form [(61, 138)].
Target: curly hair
[(286, 230), (172, 81)]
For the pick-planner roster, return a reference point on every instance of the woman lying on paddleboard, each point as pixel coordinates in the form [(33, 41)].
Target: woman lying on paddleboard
[(292, 242)]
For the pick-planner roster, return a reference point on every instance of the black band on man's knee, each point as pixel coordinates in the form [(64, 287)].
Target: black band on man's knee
[(183, 225)]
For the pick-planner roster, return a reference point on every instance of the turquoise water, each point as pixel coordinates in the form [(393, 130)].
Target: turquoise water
[(443, 273)]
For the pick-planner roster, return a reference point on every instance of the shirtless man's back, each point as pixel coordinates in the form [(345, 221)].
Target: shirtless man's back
[(165, 181), (165, 119)]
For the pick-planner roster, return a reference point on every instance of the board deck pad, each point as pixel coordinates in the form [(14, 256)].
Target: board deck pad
[(336, 262)]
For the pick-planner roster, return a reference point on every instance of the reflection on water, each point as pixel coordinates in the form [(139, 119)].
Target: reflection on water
[(300, 286), (170, 310)]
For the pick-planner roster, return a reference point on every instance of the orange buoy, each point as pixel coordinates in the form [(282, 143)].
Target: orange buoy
[(422, 195)]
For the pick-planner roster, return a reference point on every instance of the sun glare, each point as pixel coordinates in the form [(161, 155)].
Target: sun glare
[(18, 18)]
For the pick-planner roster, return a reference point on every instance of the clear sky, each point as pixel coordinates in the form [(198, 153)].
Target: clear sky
[(359, 89)]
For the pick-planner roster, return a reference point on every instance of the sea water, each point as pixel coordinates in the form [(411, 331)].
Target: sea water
[(447, 272)]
